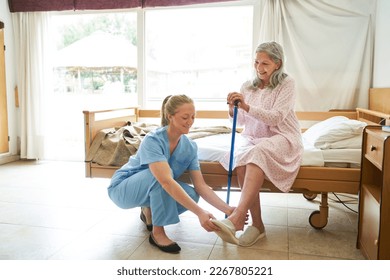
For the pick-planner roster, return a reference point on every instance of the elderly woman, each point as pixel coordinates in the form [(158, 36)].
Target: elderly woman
[(272, 148)]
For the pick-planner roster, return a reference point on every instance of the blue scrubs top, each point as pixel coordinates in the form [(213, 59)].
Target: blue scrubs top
[(155, 148)]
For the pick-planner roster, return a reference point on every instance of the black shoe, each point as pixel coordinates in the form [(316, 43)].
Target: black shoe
[(172, 248), (142, 216)]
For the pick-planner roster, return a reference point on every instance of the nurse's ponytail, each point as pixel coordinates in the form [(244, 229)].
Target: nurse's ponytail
[(164, 119)]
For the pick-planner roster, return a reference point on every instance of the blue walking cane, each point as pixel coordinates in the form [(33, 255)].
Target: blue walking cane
[(232, 152)]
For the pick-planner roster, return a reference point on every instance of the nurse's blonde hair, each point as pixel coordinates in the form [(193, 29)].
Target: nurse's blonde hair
[(170, 105)]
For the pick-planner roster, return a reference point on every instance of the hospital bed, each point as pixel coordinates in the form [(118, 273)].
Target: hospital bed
[(338, 171)]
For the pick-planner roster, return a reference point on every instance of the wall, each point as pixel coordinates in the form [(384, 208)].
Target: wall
[(382, 45), (10, 72)]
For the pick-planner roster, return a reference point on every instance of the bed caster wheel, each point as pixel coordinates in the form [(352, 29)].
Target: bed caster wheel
[(316, 221), (310, 196)]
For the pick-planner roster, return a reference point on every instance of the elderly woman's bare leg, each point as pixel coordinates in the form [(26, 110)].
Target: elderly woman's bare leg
[(251, 178), (255, 231)]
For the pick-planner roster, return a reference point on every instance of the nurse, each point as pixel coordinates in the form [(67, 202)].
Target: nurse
[(150, 178)]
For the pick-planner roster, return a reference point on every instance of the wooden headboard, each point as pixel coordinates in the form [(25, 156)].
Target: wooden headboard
[(379, 100)]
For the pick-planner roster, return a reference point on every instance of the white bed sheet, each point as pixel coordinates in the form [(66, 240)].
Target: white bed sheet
[(213, 148)]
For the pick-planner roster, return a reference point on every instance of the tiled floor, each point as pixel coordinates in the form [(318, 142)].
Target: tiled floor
[(49, 210)]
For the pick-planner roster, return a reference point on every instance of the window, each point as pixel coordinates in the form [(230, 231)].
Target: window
[(97, 56), (94, 67), (202, 52)]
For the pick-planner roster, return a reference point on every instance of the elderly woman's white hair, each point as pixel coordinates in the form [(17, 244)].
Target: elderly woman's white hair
[(275, 52)]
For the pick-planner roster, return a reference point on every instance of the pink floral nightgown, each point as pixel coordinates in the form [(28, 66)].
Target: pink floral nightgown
[(272, 136)]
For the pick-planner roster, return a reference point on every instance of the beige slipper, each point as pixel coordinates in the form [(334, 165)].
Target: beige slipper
[(227, 232), (250, 236)]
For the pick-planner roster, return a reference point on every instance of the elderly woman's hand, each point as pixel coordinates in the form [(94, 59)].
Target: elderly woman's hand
[(236, 99)]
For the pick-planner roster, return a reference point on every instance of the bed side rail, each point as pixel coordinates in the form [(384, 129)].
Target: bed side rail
[(373, 117), (94, 121)]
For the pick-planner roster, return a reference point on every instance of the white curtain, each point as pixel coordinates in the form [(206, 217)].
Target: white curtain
[(30, 31), (328, 46)]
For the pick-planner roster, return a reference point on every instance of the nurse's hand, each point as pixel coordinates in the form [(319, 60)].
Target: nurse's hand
[(231, 211), (205, 218)]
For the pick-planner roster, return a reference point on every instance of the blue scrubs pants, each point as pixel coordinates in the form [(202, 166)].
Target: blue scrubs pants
[(142, 189)]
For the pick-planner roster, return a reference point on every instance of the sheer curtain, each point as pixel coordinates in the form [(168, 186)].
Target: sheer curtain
[(32, 49), (328, 47)]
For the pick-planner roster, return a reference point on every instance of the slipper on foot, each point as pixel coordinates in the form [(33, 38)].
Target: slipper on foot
[(172, 248), (250, 236), (227, 232)]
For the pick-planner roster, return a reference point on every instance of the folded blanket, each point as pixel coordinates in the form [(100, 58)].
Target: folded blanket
[(199, 132), (114, 146)]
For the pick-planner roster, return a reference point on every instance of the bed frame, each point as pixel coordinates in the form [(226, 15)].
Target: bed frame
[(310, 181)]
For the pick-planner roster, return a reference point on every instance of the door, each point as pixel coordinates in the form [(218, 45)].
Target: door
[(4, 145)]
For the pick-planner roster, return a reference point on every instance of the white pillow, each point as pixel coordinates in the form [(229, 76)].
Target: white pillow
[(349, 143), (333, 130)]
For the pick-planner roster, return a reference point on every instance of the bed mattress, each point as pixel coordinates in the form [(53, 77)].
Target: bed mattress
[(213, 148)]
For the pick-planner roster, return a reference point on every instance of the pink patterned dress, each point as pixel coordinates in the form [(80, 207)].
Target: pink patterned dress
[(271, 136)]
